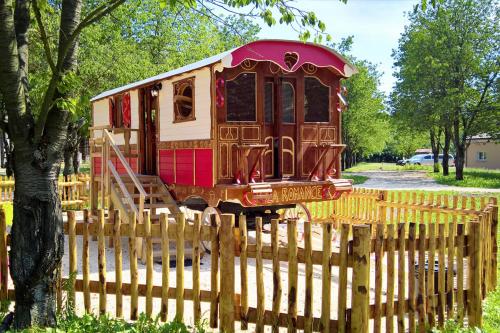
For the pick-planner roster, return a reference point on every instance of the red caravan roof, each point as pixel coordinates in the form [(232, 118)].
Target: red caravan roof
[(261, 50), (276, 51)]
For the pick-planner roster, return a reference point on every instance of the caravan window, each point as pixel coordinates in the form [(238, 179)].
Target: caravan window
[(316, 101), (240, 94), (184, 100)]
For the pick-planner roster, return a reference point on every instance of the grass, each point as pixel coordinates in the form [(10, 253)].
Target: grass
[(357, 180), (90, 323), (482, 178)]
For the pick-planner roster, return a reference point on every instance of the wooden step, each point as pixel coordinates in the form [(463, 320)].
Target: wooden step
[(149, 195)]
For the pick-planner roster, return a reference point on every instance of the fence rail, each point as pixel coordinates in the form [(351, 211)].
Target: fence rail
[(74, 190), (397, 271)]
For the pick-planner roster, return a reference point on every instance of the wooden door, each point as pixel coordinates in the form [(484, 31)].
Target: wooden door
[(148, 118), (280, 127)]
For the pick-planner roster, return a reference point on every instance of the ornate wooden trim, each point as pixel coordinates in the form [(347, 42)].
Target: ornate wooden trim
[(186, 144)]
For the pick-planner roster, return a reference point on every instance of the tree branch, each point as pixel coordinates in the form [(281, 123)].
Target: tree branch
[(43, 35)]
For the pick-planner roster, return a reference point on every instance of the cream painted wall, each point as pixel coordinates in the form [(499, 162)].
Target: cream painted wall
[(492, 151), (190, 130)]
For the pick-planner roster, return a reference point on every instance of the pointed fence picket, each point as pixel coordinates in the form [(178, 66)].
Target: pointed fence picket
[(404, 237)]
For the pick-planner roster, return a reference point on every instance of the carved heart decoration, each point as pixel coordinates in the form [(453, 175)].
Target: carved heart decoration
[(291, 59)]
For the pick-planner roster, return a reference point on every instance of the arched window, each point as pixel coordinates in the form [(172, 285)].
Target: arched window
[(184, 100), (240, 93), (268, 103), (316, 101), (288, 102)]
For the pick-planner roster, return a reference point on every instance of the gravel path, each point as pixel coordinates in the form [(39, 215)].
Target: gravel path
[(410, 180)]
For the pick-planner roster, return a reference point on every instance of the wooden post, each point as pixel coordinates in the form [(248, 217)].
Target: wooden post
[(165, 266), (412, 295), (326, 278), (292, 274), (451, 271), (85, 262), (460, 273), (227, 280), (441, 275), (196, 268), (421, 298), (494, 241), (401, 277), (214, 272), (179, 268), (474, 296), (342, 295), (389, 325), (72, 257), (360, 279), (134, 298), (242, 221), (259, 325), (431, 304), (379, 257), (308, 304), (149, 264), (117, 240), (276, 275), (102, 263)]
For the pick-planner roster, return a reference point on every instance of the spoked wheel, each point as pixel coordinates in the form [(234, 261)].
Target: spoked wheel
[(188, 213), (299, 212), (206, 219)]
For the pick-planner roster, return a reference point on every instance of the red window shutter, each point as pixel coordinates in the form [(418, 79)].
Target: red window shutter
[(111, 113), (126, 110)]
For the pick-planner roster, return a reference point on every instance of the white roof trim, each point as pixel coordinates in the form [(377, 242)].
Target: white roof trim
[(196, 65)]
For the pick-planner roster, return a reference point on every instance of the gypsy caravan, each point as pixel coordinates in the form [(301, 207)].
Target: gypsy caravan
[(254, 130)]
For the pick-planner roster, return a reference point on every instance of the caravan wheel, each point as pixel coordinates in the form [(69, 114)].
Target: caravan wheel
[(206, 219)]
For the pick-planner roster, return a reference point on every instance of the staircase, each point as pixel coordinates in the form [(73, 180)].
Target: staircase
[(131, 193)]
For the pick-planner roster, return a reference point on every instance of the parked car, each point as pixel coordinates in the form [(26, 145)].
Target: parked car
[(427, 159), (402, 162)]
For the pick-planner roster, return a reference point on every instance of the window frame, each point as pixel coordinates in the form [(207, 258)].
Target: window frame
[(177, 117), (117, 113), (329, 101), (227, 98), (294, 103), (482, 154)]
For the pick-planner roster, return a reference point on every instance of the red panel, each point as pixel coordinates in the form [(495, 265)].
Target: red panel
[(96, 165), (203, 167), (166, 166), (184, 166)]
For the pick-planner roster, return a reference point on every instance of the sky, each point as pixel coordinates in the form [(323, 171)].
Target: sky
[(375, 24)]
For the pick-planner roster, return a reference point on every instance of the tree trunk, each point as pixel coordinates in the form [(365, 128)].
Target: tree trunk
[(460, 162), (446, 150), (37, 241), (76, 162), (435, 137)]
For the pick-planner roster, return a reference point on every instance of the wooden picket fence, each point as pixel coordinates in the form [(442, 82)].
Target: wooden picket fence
[(431, 263), (74, 190)]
